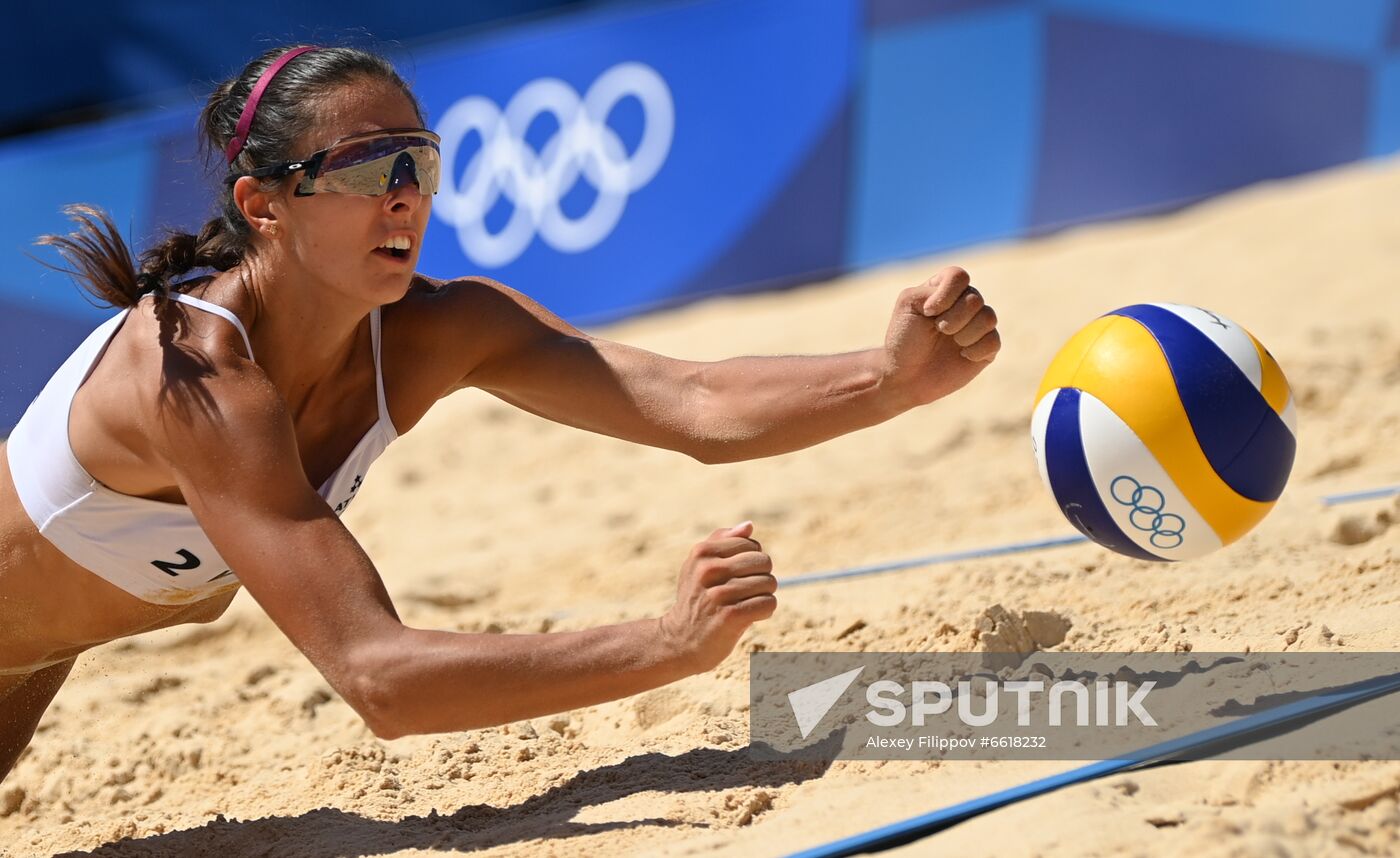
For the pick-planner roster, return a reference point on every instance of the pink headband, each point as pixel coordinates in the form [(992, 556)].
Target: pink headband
[(245, 120)]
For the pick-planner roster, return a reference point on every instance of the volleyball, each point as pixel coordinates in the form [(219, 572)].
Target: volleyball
[(1164, 431)]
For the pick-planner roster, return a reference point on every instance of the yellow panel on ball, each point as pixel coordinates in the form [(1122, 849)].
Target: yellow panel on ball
[(1071, 355), (1274, 386)]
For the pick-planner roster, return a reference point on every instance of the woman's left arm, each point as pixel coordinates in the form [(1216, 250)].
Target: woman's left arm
[(940, 337)]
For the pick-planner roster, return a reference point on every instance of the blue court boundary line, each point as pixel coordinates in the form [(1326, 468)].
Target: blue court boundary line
[(1368, 494), (1238, 733), (932, 559), (1019, 547)]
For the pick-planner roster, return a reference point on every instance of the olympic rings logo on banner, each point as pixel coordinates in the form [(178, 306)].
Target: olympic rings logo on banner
[(584, 147), (1147, 503)]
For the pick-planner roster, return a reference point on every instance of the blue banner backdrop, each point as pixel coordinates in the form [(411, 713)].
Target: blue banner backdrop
[(736, 115)]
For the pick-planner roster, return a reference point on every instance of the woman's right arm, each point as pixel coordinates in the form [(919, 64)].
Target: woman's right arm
[(234, 454)]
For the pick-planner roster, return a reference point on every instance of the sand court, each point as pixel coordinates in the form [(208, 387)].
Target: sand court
[(222, 739)]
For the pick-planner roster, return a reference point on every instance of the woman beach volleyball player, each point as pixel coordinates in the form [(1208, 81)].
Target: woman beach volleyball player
[(209, 435)]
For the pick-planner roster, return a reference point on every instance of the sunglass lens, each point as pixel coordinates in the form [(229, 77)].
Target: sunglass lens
[(363, 151), (381, 164)]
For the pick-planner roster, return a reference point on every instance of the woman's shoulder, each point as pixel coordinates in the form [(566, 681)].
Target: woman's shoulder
[(449, 308), (435, 334), (156, 325), (170, 343), (433, 294), (168, 373), (434, 312), (417, 331)]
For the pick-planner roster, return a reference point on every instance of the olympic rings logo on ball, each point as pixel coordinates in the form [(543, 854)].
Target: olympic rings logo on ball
[(1147, 503), (535, 183)]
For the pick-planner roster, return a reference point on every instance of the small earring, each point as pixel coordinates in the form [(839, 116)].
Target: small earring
[(273, 229)]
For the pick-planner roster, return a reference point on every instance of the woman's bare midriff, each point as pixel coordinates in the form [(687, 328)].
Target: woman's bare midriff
[(51, 608)]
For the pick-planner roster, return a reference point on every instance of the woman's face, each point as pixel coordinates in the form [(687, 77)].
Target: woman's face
[(331, 238)]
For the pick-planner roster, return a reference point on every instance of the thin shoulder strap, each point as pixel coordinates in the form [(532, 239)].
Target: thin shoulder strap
[(375, 339), (220, 311)]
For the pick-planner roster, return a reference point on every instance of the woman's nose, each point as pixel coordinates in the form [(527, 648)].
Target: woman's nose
[(403, 190), (405, 171)]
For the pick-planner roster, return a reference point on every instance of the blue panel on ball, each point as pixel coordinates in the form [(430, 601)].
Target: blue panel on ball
[(1072, 484), (1245, 440), (1263, 465)]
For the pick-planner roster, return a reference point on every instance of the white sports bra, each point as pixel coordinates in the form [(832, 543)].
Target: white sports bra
[(153, 550)]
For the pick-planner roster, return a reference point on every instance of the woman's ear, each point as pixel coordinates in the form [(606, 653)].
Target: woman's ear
[(256, 206)]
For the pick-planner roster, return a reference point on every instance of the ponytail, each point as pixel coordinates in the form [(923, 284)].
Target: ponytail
[(102, 263)]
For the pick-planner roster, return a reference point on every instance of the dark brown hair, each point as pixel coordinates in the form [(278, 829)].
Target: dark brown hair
[(100, 259)]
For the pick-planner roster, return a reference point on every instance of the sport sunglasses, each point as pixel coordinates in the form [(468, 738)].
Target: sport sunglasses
[(370, 164)]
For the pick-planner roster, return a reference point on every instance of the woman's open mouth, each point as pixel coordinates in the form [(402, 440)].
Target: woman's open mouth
[(397, 247)]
